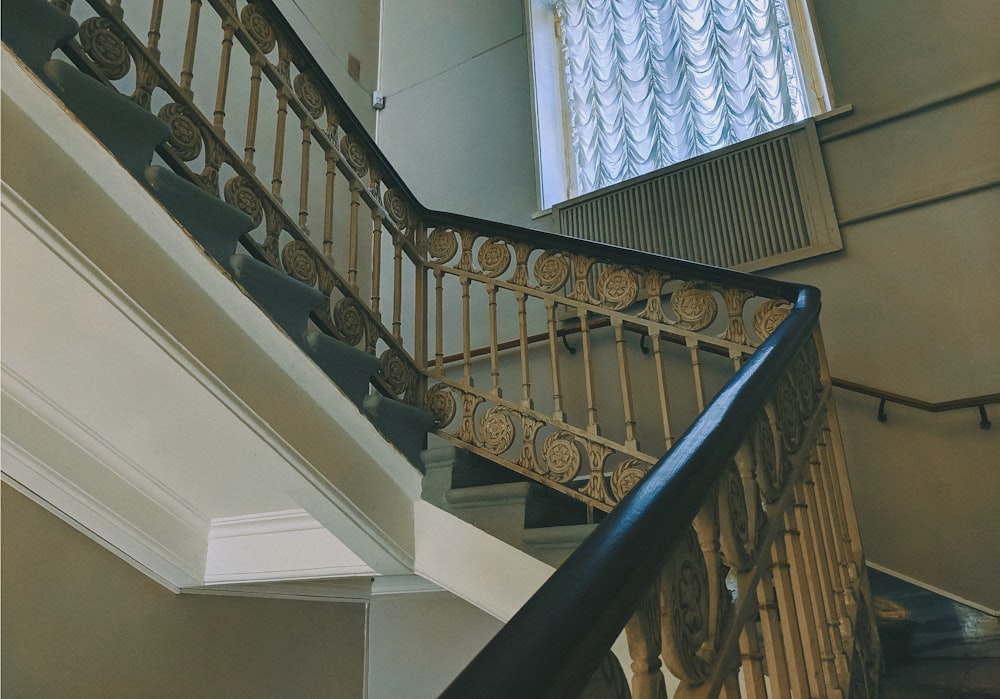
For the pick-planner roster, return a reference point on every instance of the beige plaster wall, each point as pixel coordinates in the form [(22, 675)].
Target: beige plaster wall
[(910, 304), (80, 622), (419, 642)]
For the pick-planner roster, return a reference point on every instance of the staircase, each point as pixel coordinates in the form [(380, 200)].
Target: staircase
[(481, 473)]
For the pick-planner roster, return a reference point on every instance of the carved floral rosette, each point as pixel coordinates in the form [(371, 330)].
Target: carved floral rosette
[(103, 43), (185, 137)]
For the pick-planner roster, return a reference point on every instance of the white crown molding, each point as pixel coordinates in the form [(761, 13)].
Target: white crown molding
[(95, 520), (346, 590), (273, 546), (403, 585), (15, 387)]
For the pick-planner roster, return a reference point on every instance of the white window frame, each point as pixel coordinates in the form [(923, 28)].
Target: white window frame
[(550, 112)]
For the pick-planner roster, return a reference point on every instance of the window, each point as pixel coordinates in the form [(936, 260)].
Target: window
[(624, 87)]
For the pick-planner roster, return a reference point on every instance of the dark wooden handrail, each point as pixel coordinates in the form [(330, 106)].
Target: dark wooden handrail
[(551, 647)]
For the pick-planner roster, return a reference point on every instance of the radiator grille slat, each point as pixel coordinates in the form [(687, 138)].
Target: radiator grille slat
[(755, 205)]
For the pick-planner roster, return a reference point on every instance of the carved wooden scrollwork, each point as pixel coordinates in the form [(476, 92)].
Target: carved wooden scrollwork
[(769, 316), (442, 245), (521, 253), (654, 291), (106, 48), (581, 286), (788, 413), (240, 192), (694, 306), (597, 488), (354, 153), (494, 257), (259, 28), (684, 605), (309, 94), (440, 402), (399, 376), (617, 287), (467, 429), (297, 259), (626, 476), (737, 526), (529, 432), (497, 430), (185, 138), (735, 300), (767, 467), (146, 80), (396, 206), (348, 319), (561, 457), (551, 271)]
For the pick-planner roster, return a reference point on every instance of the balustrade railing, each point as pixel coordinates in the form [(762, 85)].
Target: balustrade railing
[(735, 558)]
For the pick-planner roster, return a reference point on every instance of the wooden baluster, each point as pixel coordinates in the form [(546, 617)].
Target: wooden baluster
[(838, 548), (439, 320), (803, 675), (808, 578), (661, 381), (522, 317), (376, 260), (331, 174), (352, 259), (625, 379), (699, 385), (304, 176), (588, 373), (397, 292), (849, 572), (420, 319), (824, 574), (737, 357), (752, 661), (557, 407), (842, 489), (279, 142), (644, 646), (466, 330), (155, 20), (256, 65), (187, 67), (804, 610), (219, 115), (495, 390), (774, 643)]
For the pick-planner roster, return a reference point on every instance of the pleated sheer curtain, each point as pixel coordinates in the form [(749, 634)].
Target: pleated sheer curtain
[(650, 83)]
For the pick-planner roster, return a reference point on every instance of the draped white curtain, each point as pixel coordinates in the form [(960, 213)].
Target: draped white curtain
[(654, 82)]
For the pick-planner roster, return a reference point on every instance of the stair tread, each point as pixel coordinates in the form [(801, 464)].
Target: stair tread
[(487, 495), (288, 301), (348, 367), (215, 224), (33, 30), (130, 132), (561, 535), (403, 425)]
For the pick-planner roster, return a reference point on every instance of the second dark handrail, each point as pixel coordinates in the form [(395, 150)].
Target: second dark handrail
[(884, 397)]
